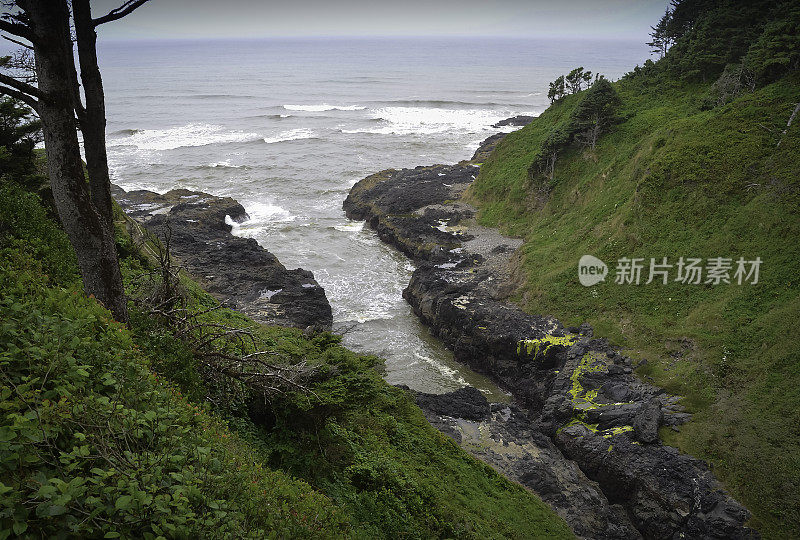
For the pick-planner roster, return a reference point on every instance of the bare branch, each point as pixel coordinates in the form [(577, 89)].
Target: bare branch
[(237, 353), (125, 9), (21, 86), (20, 43), (22, 65), (788, 124), (26, 99)]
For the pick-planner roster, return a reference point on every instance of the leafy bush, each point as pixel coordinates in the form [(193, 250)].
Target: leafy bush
[(31, 240), (95, 444)]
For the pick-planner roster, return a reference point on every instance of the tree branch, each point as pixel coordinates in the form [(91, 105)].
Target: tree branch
[(21, 44), (125, 9), (17, 29), (26, 99), (21, 86), (788, 124)]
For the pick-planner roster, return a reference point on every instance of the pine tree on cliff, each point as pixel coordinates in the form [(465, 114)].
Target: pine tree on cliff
[(85, 210), (577, 79), (660, 35), (557, 89)]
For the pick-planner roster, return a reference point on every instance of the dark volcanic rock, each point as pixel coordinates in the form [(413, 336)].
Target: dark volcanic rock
[(468, 403), (502, 436), (647, 421), (486, 147), (237, 271), (390, 201), (581, 396), (519, 121)]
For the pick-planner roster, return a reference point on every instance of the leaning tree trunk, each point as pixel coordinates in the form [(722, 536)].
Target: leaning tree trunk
[(93, 122), (90, 236)]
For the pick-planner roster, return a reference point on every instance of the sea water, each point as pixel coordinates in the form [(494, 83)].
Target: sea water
[(287, 126)]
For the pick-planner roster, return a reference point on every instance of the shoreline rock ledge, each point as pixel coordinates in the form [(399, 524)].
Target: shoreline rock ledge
[(237, 271), (576, 398)]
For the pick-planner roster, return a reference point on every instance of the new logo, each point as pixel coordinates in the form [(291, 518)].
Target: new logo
[(591, 270)]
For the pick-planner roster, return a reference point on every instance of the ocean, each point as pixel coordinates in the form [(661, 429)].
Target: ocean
[(287, 126)]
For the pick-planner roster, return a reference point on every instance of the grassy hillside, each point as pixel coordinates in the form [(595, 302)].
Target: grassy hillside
[(679, 177), (106, 430)]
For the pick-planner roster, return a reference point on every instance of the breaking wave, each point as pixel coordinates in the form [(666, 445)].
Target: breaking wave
[(323, 107), (180, 137)]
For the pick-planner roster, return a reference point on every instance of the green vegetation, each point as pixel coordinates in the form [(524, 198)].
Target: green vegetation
[(110, 431), (592, 114), (681, 175)]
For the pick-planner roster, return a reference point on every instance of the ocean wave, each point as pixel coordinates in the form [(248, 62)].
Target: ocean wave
[(445, 103), (323, 107), (428, 121), (352, 226), (262, 215), (218, 96), (124, 132), (188, 135), (269, 116), (291, 135), (222, 165)]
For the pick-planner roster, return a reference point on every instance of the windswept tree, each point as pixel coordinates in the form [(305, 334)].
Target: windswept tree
[(661, 35), (578, 79), (53, 92), (596, 113), (557, 89)]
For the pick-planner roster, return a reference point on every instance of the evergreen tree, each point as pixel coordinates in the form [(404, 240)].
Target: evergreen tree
[(777, 50), (557, 89), (20, 130), (661, 38), (577, 78), (596, 112)]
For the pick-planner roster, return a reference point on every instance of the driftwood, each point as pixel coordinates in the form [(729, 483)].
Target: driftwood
[(788, 124)]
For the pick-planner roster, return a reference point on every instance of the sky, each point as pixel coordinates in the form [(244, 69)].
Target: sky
[(191, 19)]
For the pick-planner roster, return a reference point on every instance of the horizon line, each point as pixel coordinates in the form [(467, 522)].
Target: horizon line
[(376, 36)]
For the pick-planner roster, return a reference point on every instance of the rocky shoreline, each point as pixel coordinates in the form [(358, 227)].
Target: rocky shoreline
[(236, 271), (583, 433)]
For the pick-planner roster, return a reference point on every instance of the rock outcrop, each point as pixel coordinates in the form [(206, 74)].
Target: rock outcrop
[(503, 436), (577, 397), (515, 121), (237, 271)]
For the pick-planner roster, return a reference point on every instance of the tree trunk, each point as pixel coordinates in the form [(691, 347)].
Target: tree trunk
[(93, 123), (90, 236)]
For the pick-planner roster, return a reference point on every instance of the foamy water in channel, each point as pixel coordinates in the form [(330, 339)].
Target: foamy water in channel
[(286, 127)]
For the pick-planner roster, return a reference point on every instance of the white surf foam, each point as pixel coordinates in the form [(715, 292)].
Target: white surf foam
[(323, 107), (352, 226), (444, 370), (226, 165), (428, 121), (263, 215), (160, 140), (267, 212), (291, 135)]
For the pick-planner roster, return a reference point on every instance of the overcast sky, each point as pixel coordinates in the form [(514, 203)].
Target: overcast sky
[(605, 19)]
